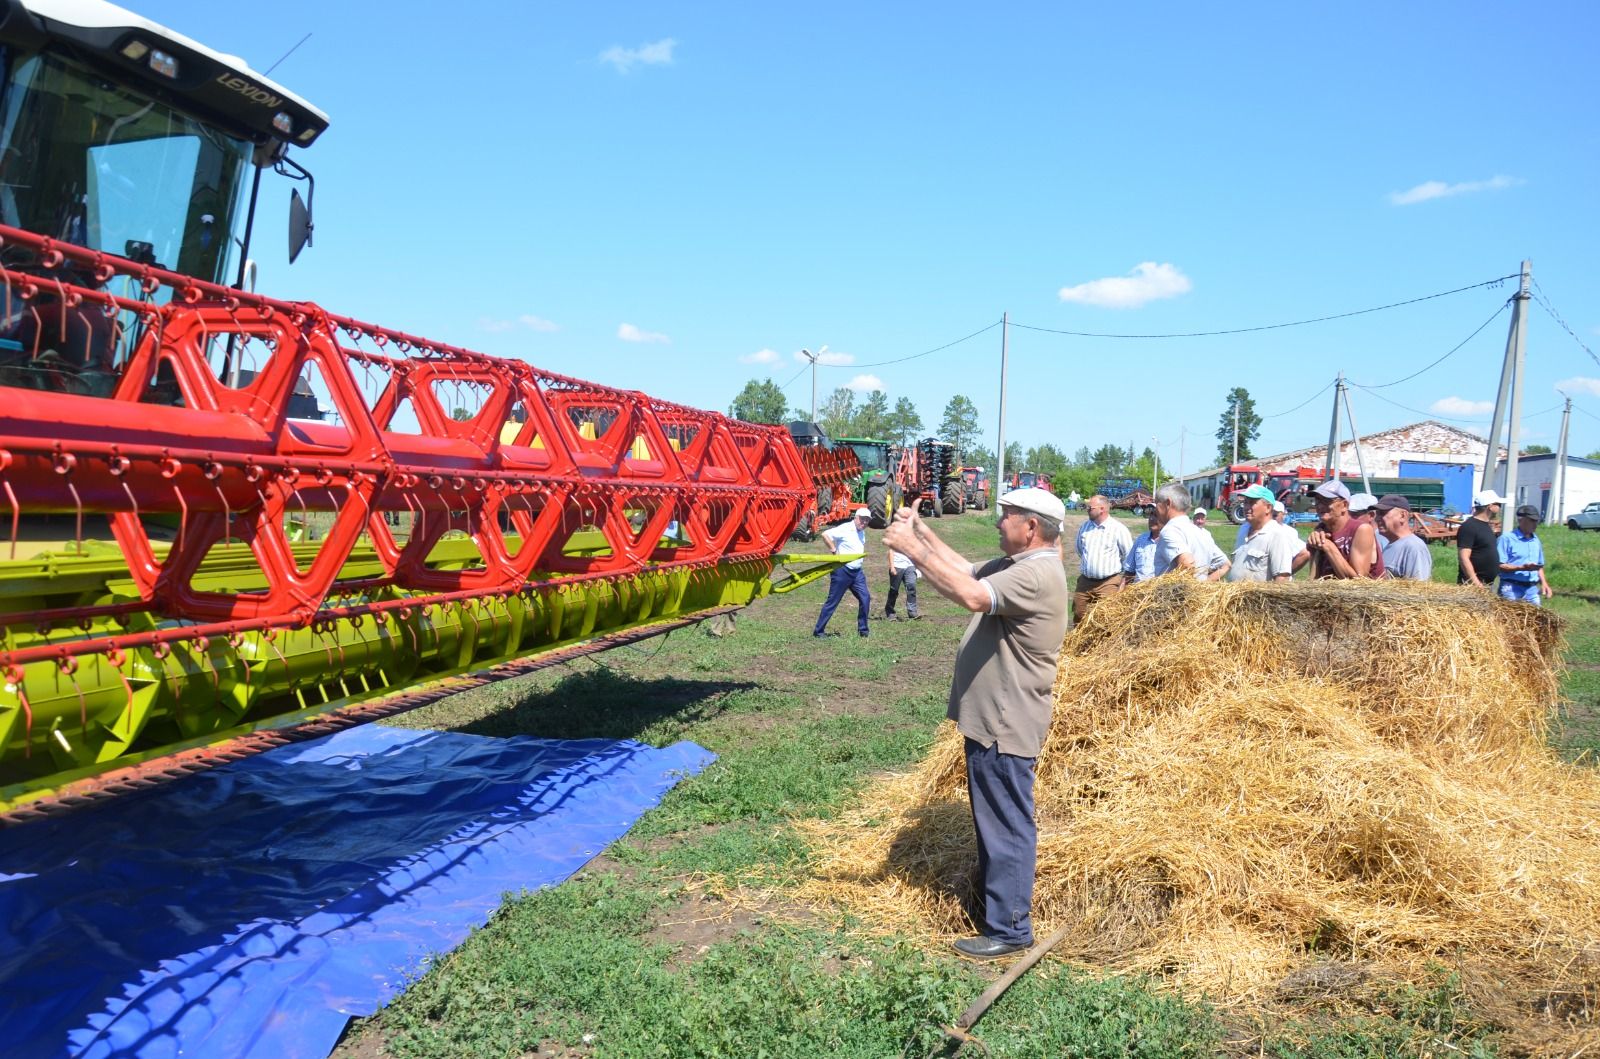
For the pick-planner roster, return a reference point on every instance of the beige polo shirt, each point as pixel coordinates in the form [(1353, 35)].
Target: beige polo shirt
[(1006, 664)]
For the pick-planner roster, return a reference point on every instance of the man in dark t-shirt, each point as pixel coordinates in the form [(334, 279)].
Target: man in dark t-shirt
[(1476, 545)]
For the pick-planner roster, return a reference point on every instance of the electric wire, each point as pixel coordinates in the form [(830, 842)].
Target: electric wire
[(1272, 327), (1441, 360), (1544, 301), (1307, 401), (896, 360), (924, 353), (1415, 411)]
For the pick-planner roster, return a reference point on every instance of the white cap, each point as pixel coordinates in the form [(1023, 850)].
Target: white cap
[(1277, 505), (1036, 501), (1485, 497), (862, 512), (1362, 501)]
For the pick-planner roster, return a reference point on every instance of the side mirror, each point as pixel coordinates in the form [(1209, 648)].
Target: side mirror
[(299, 225)]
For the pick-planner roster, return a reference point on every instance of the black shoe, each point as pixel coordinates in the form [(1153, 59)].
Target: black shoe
[(914, 617), (822, 635), (865, 633), (986, 948)]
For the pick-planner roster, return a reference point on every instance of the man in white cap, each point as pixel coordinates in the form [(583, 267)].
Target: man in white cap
[(1476, 547), (1362, 505), (1000, 696), (848, 538)]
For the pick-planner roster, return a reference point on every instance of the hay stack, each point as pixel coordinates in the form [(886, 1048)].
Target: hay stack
[(1241, 780)]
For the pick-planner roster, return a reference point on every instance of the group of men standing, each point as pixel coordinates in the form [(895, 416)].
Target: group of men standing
[(1356, 536)]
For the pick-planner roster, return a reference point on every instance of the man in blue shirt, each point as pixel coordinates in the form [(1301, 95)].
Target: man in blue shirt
[(1522, 560)]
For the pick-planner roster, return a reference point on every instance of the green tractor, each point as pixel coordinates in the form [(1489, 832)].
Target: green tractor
[(876, 488)]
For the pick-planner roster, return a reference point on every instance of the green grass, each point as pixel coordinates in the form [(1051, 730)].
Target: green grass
[(604, 965)]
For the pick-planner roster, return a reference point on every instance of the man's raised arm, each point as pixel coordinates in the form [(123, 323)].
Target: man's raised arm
[(938, 563)]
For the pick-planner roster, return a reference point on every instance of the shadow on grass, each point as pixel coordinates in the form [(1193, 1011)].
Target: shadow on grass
[(607, 704)]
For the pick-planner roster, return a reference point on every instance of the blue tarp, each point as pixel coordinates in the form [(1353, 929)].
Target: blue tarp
[(251, 910)]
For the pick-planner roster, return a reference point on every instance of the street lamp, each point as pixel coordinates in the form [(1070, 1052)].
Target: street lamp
[(812, 357)]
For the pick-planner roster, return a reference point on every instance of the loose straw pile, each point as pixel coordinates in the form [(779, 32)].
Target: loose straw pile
[(1243, 781)]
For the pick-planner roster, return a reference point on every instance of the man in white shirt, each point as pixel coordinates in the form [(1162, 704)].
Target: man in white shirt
[(1183, 545), (848, 538), (1103, 547), (1265, 550), (902, 574)]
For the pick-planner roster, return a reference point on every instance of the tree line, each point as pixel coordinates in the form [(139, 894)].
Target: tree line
[(841, 415)]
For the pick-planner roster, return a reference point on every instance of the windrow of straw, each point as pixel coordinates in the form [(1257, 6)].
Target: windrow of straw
[(1244, 780)]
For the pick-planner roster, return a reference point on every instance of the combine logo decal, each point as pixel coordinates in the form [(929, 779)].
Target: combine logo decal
[(252, 92)]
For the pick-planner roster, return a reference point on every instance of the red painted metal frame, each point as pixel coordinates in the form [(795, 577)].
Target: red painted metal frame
[(832, 469), (231, 465)]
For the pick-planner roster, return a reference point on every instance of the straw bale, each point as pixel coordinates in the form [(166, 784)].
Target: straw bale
[(1242, 781)]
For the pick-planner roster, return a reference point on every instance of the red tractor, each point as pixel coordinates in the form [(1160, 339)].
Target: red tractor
[(975, 488)]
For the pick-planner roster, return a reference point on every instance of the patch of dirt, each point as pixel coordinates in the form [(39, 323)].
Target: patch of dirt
[(697, 921), (361, 1040)]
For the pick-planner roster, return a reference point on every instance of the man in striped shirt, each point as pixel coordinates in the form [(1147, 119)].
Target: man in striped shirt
[(1103, 547)]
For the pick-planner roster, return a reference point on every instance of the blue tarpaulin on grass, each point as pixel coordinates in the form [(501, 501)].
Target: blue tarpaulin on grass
[(253, 909)]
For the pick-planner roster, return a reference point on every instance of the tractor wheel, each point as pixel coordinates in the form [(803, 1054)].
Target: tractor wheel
[(824, 503), (807, 529), (954, 501), (1138, 510), (878, 503), (983, 501), (1237, 511)]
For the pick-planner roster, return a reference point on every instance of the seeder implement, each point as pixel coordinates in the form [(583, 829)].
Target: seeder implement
[(306, 512)]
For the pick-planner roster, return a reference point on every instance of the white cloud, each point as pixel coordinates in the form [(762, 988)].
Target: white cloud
[(526, 320), (1460, 406), (625, 59), (1147, 282), (827, 357), (760, 356), (1579, 384), (630, 333), (865, 383), (1438, 189)]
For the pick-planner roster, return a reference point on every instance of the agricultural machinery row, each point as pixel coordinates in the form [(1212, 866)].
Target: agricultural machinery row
[(884, 477)]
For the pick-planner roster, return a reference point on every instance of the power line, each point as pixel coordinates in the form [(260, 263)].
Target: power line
[(914, 356), (1415, 411), (1544, 300), (1272, 327), (1447, 356), (1307, 401)]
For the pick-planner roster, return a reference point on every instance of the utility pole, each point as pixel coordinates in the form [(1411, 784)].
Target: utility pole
[(1155, 476), (812, 357), (1355, 436), (1330, 466), (1235, 430), (1508, 404), (1557, 512), (1000, 434), (1181, 432)]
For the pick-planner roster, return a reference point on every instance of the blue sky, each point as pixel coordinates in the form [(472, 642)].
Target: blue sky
[(676, 198)]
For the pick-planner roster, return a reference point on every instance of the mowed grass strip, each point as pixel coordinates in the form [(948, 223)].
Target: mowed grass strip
[(632, 958)]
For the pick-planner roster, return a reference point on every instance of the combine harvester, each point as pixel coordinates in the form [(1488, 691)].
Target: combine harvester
[(236, 521)]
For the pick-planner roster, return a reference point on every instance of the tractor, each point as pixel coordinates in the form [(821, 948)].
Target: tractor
[(975, 488), (876, 486)]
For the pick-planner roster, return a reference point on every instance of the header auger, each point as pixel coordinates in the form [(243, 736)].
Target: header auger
[(444, 511)]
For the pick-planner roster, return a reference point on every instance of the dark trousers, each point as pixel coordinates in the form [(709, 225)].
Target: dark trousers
[(840, 581), (908, 578), (1001, 786)]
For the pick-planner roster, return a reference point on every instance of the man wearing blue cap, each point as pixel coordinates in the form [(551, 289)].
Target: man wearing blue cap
[(1266, 550), (1000, 696)]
